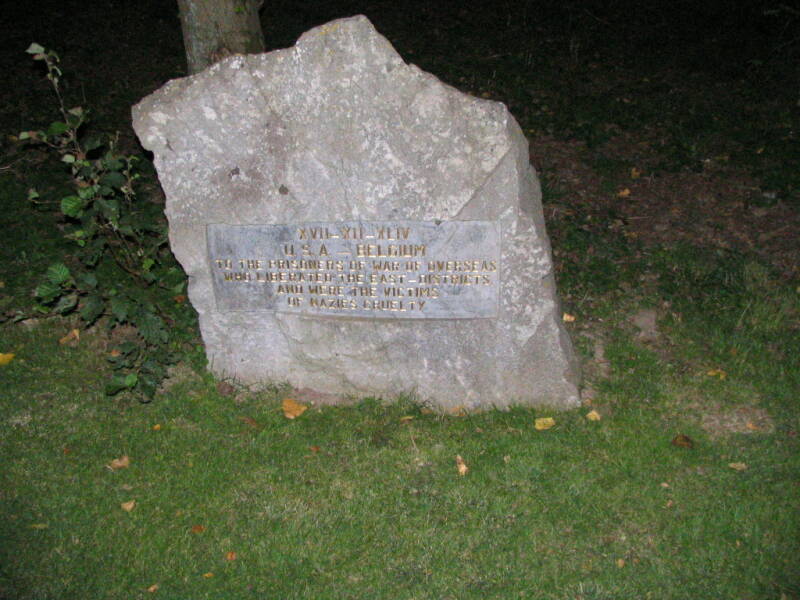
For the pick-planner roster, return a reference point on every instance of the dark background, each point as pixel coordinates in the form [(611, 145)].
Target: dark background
[(116, 51)]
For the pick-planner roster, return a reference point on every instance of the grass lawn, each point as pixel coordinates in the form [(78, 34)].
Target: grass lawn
[(367, 502), (674, 224)]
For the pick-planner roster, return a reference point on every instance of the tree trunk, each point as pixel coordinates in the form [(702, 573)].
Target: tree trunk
[(214, 29)]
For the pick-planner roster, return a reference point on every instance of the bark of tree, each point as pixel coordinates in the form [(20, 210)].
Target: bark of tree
[(214, 29)]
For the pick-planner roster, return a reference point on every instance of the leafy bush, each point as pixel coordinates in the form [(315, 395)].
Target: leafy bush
[(123, 272)]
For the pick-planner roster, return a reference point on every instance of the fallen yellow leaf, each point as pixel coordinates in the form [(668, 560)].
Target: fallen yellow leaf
[(461, 465), (153, 588), (292, 409), (620, 562), (624, 193), (752, 426), (738, 466), (250, 422), (683, 441), (593, 415), (6, 358), (635, 173), (128, 506), (73, 336), (39, 526), (198, 528), (208, 575), (544, 423), (230, 556), (407, 418), (717, 373), (119, 463), (157, 427), (568, 318)]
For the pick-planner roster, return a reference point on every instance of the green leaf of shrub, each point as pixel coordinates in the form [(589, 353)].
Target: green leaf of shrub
[(88, 192), (57, 273), (57, 128), (46, 292), (115, 385), (72, 206), (66, 304), (112, 164), (151, 327), (91, 142), (92, 308), (88, 280), (148, 386), (113, 179), (120, 308)]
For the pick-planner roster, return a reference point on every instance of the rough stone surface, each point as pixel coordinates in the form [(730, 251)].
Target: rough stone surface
[(339, 129)]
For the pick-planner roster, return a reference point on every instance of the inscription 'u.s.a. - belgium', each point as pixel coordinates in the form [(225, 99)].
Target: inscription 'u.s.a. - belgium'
[(394, 270)]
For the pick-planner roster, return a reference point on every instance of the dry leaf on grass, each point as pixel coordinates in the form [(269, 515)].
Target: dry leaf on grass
[(568, 318), (738, 466), (543, 423), (682, 441), (39, 526), (72, 338), (620, 562), (624, 193), (463, 469), (119, 463), (593, 415), (208, 575), (157, 427), (230, 556), (250, 422), (128, 506), (292, 409), (717, 373), (6, 358), (198, 528), (153, 588), (225, 389)]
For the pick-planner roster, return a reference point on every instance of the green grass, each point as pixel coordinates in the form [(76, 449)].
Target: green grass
[(360, 502)]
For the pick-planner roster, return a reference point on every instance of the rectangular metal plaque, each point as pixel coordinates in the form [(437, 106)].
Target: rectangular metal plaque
[(379, 270)]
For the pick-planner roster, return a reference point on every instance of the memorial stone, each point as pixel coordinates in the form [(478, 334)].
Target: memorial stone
[(351, 225)]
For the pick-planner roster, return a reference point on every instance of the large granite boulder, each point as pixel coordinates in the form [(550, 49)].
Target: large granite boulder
[(352, 225)]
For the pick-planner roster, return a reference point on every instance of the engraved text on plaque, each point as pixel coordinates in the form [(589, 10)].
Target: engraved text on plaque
[(389, 270)]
